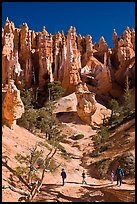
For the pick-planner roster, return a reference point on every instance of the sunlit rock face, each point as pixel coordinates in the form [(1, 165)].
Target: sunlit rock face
[(86, 103), (124, 51), (72, 65), (13, 107), (40, 57)]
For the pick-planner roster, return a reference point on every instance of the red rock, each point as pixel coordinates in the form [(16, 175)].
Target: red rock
[(43, 58)]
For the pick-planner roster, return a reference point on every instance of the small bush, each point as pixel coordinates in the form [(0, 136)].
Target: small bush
[(102, 135), (77, 137), (95, 153), (102, 167), (28, 119), (52, 165), (127, 161), (105, 147), (63, 151), (101, 149), (97, 140)]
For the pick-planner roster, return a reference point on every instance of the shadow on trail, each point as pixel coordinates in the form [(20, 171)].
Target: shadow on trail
[(58, 196), (102, 185), (114, 195), (88, 184), (87, 194), (73, 182), (49, 190)]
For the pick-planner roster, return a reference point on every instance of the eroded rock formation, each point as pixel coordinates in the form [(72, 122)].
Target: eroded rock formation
[(40, 57), (125, 54), (86, 103), (97, 75), (44, 57), (13, 107)]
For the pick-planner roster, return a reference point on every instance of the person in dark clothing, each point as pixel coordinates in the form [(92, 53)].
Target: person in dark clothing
[(63, 175), (84, 176), (119, 175)]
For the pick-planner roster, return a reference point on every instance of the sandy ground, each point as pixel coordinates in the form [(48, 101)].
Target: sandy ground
[(20, 140)]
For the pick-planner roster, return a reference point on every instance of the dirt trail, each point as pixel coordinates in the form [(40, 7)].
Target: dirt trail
[(96, 190), (52, 190)]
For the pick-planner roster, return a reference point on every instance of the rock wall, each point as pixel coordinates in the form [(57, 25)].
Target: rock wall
[(124, 50), (40, 57)]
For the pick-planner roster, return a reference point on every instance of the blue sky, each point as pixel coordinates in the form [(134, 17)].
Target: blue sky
[(94, 18)]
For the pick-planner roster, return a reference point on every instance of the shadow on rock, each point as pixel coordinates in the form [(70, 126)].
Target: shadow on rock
[(69, 117)]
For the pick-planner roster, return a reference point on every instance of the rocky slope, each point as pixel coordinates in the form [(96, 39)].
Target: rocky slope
[(89, 73), (79, 158)]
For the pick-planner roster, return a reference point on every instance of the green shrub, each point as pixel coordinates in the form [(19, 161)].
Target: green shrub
[(95, 153), (96, 139), (61, 148), (55, 90), (27, 99), (127, 161), (53, 165), (101, 149), (127, 99), (102, 167), (102, 135), (77, 137), (28, 119)]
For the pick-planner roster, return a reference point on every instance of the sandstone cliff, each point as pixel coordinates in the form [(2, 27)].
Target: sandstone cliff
[(40, 57)]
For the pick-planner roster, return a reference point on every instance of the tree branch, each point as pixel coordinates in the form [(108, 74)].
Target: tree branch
[(22, 192), (39, 184), (14, 172)]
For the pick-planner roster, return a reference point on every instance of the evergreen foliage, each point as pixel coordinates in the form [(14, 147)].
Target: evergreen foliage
[(31, 171), (127, 99), (102, 134), (77, 137), (43, 118), (114, 106), (55, 90), (29, 120)]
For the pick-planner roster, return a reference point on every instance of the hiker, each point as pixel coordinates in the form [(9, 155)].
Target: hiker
[(112, 176), (84, 176), (63, 175), (119, 174)]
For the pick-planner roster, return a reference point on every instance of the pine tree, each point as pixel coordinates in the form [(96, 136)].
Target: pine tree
[(127, 99), (30, 172), (55, 90), (48, 122)]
